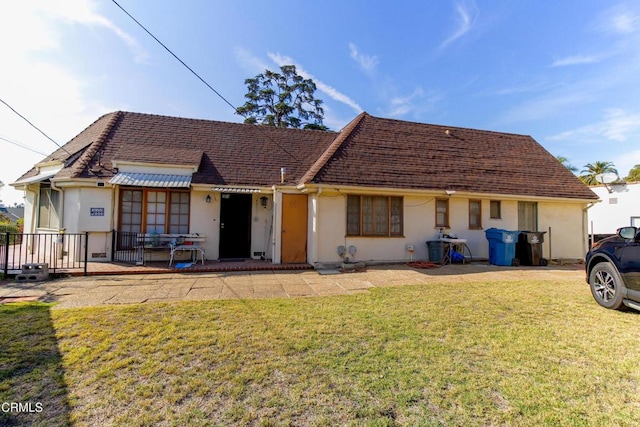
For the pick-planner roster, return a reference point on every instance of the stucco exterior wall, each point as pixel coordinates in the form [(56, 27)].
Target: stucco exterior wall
[(419, 227), (78, 203), (565, 227), (618, 208), (328, 230), (205, 219)]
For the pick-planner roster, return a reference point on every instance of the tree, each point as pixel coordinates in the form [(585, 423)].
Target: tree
[(588, 175), (282, 100), (634, 174), (566, 164)]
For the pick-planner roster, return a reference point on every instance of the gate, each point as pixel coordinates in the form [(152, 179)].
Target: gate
[(124, 247), (61, 251)]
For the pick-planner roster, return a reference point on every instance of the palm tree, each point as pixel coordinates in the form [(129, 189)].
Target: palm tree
[(588, 175), (566, 164), (634, 174)]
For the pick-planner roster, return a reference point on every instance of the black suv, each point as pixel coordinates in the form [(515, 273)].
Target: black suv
[(613, 270)]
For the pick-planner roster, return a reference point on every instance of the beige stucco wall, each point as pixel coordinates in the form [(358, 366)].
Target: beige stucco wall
[(328, 229), (565, 227), (77, 204), (205, 219)]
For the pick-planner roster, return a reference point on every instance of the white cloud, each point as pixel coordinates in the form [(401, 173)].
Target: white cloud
[(467, 14), (332, 92), (402, 105), (250, 62), (617, 125), (621, 19), (366, 62), (42, 87), (626, 161), (576, 60)]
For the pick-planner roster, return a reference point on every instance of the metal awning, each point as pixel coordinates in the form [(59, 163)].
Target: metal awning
[(151, 180), (244, 190), (37, 178)]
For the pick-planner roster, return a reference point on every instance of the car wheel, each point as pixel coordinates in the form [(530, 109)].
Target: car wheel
[(606, 286)]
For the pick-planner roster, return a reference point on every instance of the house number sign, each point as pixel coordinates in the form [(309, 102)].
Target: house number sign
[(97, 211)]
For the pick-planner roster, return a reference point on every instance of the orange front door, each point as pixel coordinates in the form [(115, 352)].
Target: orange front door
[(294, 228)]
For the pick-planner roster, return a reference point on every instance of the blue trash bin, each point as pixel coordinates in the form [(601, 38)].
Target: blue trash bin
[(502, 246)]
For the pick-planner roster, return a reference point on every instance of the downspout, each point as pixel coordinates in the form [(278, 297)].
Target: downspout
[(61, 229), (318, 235), (34, 208), (61, 216), (275, 226), (112, 222)]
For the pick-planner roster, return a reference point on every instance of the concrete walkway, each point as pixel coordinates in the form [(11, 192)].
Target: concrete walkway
[(72, 292)]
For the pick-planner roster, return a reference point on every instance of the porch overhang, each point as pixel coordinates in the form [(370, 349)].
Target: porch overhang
[(37, 178), (241, 190), (138, 179)]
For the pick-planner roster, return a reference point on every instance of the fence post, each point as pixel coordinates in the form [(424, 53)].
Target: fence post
[(113, 245), (6, 253), (86, 251)]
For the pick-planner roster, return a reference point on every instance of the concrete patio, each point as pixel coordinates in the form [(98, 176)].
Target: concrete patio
[(71, 292)]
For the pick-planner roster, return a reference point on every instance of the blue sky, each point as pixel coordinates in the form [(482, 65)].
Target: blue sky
[(566, 73)]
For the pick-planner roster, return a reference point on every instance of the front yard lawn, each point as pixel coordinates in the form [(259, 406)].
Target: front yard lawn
[(523, 353)]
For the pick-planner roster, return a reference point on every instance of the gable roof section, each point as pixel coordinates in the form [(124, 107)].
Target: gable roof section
[(371, 152), (376, 152), (76, 149), (226, 153)]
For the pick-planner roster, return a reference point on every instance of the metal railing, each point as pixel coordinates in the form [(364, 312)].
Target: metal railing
[(61, 251), (124, 247)]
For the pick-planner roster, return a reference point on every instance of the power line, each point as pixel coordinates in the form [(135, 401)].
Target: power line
[(175, 56), (18, 144), (196, 74), (32, 125)]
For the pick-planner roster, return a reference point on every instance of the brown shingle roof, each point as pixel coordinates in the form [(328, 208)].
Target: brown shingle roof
[(227, 153), (378, 152), (369, 151), (77, 147)]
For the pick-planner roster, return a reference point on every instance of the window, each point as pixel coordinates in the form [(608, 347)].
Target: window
[(131, 210), (374, 216), (495, 209), (442, 212), (475, 214), (179, 213), (528, 216), (48, 206), (156, 211), (164, 211)]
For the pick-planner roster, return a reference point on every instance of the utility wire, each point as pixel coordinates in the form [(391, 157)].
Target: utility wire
[(196, 74), (175, 56), (18, 144), (33, 126)]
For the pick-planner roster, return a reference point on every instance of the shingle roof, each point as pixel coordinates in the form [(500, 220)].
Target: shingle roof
[(77, 147), (227, 153), (378, 152), (369, 151)]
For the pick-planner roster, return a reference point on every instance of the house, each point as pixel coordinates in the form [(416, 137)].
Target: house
[(13, 213), (620, 207), (381, 186)]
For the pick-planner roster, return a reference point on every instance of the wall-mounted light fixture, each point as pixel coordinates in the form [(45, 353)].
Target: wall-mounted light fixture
[(450, 192), (263, 201), (208, 198)]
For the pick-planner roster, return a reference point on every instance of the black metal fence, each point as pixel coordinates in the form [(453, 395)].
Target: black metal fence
[(61, 251), (124, 247)]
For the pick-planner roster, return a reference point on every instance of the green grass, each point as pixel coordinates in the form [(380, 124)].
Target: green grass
[(522, 353)]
